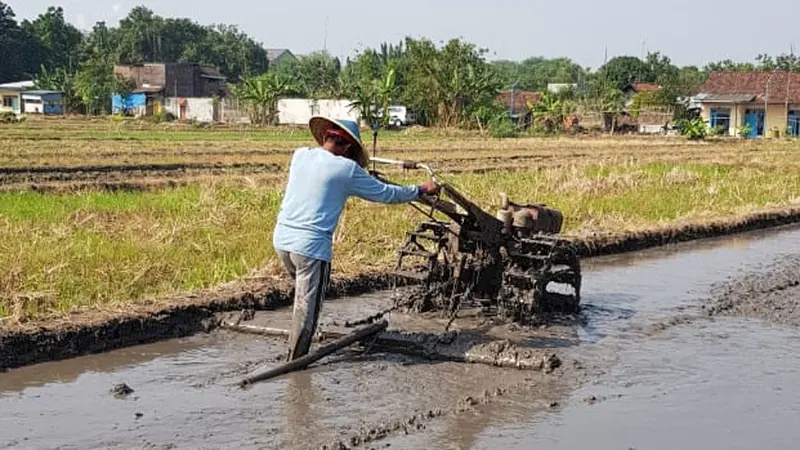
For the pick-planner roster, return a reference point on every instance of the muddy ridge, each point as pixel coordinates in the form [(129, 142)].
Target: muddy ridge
[(41, 174), (608, 244), (47, 341), (772, 296), (192, 314)]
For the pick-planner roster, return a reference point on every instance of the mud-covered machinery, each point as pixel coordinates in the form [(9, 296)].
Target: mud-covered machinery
[(512, 264)]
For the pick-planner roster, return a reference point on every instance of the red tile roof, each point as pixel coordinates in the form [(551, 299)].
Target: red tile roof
[(755, 83), (644, 87)]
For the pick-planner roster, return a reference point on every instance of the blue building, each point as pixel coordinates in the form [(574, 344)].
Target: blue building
[(134, 104), (48, 103)]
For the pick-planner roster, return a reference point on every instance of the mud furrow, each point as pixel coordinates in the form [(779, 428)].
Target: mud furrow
[(129, 168), (117, 174)]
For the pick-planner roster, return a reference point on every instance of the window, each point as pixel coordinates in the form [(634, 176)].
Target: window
[(8, 102), (720, 118)]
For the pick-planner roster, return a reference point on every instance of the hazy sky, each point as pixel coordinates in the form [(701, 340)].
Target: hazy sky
[(688, 31)]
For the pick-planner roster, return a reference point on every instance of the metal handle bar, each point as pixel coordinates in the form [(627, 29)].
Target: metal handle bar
[(405, 164)]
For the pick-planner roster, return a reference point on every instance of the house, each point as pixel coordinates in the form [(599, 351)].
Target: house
[(276, 56), (157, 82), (48, 103), (517, 104), (751, 102), (298, 111), (631, 89), (11, 94), (555, 88)]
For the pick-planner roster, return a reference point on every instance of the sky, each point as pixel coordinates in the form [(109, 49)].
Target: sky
[(688, 31)]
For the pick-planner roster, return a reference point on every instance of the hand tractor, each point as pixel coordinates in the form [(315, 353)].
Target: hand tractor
[(510, 264)]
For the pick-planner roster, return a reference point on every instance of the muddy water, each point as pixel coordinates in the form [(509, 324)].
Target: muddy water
[(654, 372), (678, 378)]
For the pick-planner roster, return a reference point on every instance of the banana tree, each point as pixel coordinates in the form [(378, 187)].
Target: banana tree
[(372, 99), (261, 94), (613, 102), (63, 81)]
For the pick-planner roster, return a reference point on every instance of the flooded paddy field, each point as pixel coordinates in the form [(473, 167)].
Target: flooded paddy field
[(686, 346)]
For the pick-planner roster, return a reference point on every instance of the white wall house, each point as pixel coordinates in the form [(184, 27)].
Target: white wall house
[(298, 111), (201, 109)]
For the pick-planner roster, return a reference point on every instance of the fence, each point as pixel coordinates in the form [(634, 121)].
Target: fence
[(645, 120)]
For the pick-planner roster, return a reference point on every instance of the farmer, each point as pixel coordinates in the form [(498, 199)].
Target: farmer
[(320, 181)]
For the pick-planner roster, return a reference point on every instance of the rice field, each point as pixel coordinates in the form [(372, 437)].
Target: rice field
[(100, 214)]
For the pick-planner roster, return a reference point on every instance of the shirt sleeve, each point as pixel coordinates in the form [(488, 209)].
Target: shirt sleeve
[(370, 188)]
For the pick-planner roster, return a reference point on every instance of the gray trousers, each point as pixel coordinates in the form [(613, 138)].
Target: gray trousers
[(311, 278)]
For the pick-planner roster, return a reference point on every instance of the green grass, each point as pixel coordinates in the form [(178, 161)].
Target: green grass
[(105, 249), (74, 251), (136, 131)]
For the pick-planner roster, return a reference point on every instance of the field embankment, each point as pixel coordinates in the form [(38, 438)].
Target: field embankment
[(125, 222)]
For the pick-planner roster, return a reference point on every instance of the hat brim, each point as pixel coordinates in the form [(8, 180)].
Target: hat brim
[(320, 124)]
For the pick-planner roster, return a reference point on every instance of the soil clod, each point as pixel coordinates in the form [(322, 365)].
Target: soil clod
[(121, 390)]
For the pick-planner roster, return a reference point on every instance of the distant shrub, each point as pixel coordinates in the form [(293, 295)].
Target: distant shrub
[(501, 127)]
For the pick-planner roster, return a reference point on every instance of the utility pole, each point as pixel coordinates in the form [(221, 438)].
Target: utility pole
[(511, 106), (766, 98), (789, 75), (325, 39)]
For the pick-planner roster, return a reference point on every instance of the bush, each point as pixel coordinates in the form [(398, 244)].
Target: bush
[(502, 127), (161, 117), (10, 117), (694, 129)]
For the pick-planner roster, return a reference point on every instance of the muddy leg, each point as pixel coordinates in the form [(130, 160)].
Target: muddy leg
[(311, 279), (287, 263)]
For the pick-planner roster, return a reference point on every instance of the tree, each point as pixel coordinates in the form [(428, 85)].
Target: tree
[(95, 81), (261, 93), (62, 80), (624, 70), (146, 37), (20, 53), (373, 99), (59, 40), (550, 111), (447, 85), (613, 103), (536, 73), (318, 73), (237, 55)]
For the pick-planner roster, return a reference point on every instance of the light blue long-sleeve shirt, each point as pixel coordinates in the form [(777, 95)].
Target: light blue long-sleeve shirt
[(318, 187)]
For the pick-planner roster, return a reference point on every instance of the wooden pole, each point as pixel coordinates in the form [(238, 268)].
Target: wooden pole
[(305, 361)]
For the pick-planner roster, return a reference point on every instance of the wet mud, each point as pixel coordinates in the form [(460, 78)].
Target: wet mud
[(87, 333), (472, 339), (187, 398), (725, 383), (771, 294)]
